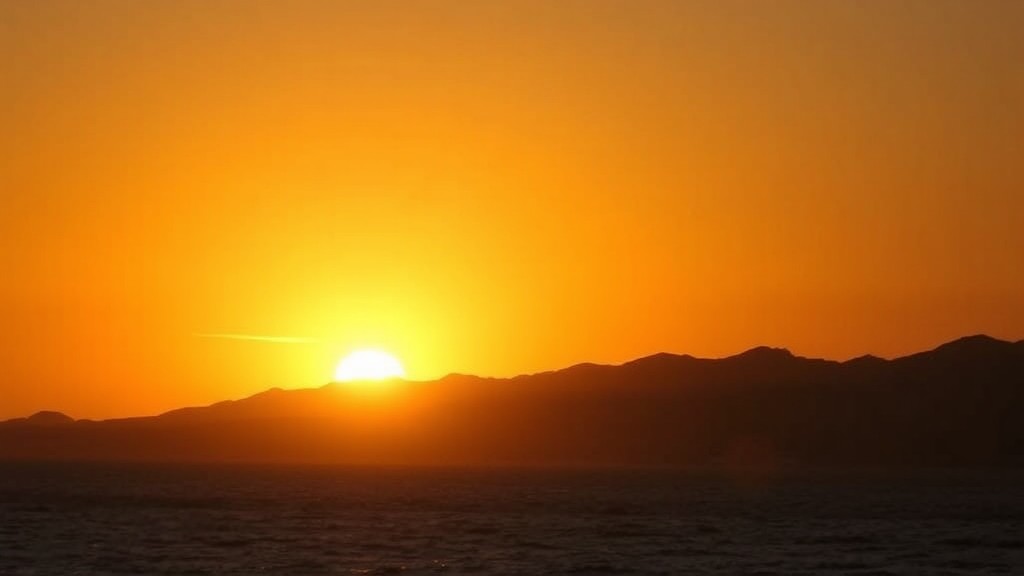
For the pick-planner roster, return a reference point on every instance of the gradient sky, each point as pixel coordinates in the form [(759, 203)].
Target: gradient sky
[(493, 187)]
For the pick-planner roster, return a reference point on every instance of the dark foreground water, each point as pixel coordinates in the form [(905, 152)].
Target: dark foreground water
[(119, 519)]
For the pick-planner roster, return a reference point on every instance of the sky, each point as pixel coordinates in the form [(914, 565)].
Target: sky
[(493, 188)]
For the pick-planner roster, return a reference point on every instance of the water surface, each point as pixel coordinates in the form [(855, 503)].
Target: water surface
[(196, 519)]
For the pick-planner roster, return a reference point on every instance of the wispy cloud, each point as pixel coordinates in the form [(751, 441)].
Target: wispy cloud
[(260, 338)]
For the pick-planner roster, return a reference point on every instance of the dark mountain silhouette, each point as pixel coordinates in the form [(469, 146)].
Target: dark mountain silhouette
[(959, 405), (44, 418)]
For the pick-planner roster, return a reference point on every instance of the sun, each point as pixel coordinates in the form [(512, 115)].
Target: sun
[(368, 365)]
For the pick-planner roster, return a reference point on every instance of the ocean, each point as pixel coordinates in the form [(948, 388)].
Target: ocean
[(240, 519)]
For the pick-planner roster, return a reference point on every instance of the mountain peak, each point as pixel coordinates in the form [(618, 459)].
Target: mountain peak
[(972, 343), (764, 353), (865, 359), (661, 359), (660, 356), (49, 417)]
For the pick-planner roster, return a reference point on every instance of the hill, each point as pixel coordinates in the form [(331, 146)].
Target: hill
[(958, 405)]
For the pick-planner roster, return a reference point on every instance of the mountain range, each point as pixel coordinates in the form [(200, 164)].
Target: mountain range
[(959, 405)]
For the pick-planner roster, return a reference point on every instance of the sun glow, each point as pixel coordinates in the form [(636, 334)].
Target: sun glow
[(368, 365)]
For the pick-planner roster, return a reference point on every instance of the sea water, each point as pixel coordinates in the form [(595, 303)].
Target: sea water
[(237, 519)]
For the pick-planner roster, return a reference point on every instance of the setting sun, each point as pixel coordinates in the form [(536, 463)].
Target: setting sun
[(368, 365)]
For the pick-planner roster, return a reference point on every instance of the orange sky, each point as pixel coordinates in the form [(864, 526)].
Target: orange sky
[(493, 187)]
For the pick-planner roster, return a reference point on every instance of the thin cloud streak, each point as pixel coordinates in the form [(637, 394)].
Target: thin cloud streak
[(259, 338)]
